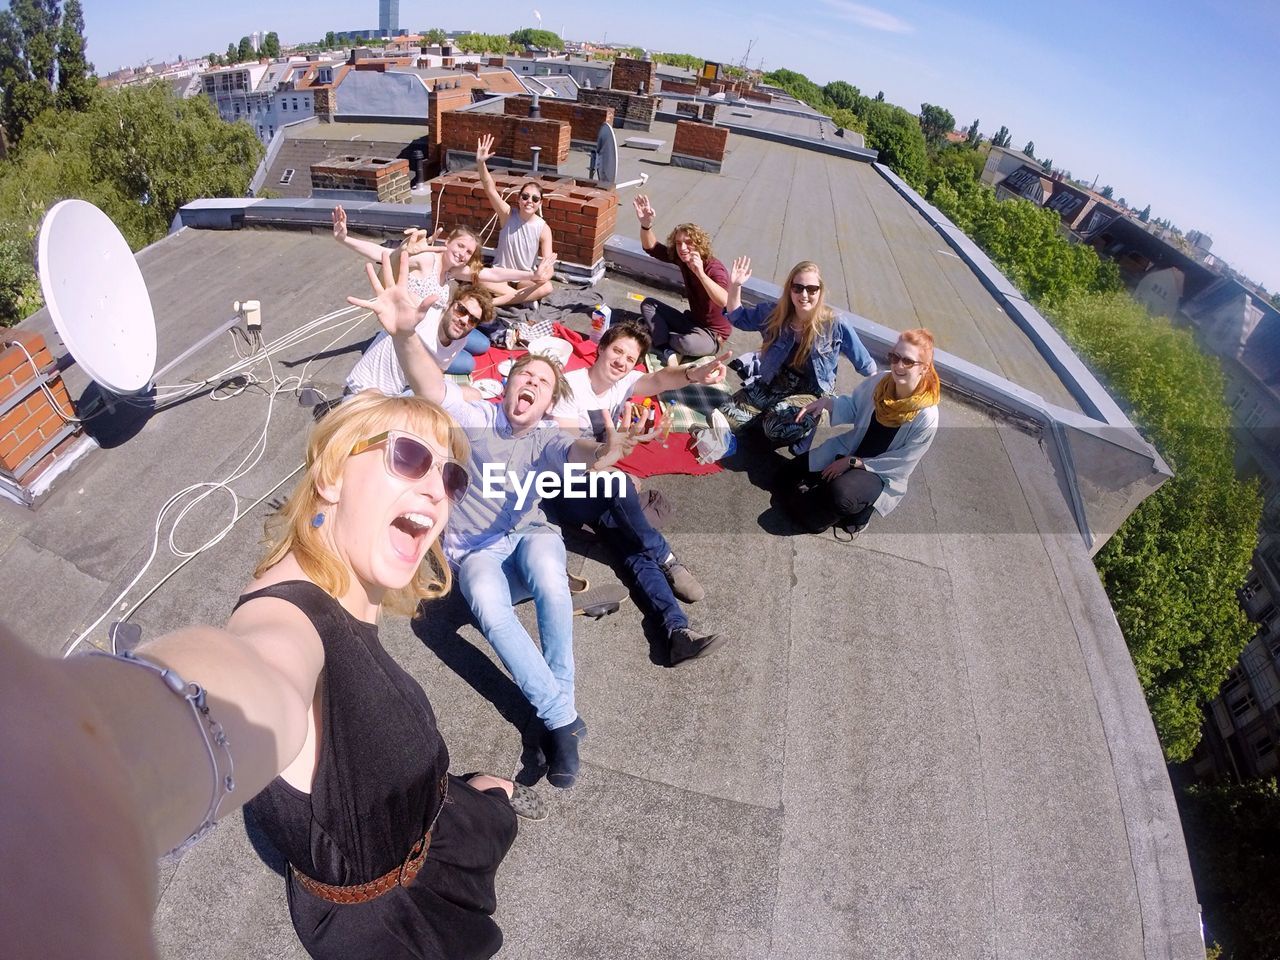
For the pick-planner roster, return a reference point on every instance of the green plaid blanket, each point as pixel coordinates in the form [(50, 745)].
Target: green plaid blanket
[(689, 406)]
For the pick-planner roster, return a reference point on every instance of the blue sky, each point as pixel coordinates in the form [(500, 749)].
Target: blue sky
[(1173, 105)]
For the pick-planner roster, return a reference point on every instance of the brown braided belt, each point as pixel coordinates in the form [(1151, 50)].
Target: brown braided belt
[(401, 876)]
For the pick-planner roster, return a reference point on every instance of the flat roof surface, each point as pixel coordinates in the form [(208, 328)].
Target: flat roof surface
[(929, 743), (815, 126), (780, 204), (402, 132)]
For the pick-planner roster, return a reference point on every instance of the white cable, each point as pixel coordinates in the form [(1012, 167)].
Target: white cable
[(197, 493)]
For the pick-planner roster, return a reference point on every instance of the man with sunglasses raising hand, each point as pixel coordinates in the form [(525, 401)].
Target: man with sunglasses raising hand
[(499, 542), (443, 333)]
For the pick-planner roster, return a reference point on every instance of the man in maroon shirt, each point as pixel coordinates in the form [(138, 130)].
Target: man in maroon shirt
[(700, 330)]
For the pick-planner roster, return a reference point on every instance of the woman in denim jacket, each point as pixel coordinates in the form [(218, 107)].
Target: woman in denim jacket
[(803, 342)]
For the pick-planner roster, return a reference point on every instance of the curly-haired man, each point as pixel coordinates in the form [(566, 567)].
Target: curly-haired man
[(702, 329)]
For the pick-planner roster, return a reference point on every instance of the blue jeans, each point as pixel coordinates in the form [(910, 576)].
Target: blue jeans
[(529, 563), (628, 530), (477, 343)]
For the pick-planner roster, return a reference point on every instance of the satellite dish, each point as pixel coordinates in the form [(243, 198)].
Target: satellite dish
[(606, 155), (96, 296)]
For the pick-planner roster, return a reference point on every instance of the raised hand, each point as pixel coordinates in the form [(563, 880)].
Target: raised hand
[(741, 271), (694, 263), (339, 223), (484, 149), (393, 304), (815, 408), (708, 373), (416, 241), (644, 211), (546, 269)]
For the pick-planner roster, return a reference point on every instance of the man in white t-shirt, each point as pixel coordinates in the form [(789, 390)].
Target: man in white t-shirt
[(606, 386), (443, 332)]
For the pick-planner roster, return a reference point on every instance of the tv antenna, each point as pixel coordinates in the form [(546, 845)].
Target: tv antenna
[(747, 55)]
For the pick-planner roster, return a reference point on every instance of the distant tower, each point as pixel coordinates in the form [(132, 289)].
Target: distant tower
[(388, 17)]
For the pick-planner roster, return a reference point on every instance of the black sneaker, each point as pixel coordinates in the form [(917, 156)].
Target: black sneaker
[(687, 645)]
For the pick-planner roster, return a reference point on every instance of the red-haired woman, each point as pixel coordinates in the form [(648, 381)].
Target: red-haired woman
[(895, 419)]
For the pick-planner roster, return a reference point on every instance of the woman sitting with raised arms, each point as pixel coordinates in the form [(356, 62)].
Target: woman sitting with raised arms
[(803, 342)]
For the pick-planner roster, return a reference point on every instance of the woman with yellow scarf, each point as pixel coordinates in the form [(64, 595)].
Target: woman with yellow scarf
[(894, 421)]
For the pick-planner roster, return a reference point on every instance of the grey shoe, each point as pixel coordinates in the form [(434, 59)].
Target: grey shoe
[(685, 585), (686, 645)]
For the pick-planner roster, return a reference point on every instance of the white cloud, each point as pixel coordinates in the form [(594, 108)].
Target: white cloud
[(868, 17)]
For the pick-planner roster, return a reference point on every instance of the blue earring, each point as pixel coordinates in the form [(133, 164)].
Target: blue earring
[(317, 520)]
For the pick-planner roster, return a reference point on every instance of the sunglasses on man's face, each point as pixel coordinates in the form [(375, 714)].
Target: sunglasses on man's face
[(460, 310), (812, 289), (905, 361), (533, 197), (409, 458)]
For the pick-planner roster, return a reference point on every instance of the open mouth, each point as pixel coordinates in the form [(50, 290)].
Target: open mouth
[(524, 400), (408, 531)]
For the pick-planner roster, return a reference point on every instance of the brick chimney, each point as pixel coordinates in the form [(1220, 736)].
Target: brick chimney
[(34, 432)]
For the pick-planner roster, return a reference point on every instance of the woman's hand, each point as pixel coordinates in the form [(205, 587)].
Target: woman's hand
[(484, 149), (839, 466), (815, 408), (339, 224), (417, 241), (741, 272)]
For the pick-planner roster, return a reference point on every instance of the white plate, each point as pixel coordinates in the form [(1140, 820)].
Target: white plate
[(505, 366), (562, 350), (488, 388)]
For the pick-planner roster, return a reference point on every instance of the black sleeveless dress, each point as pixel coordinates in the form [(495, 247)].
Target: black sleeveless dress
[(381, 779)]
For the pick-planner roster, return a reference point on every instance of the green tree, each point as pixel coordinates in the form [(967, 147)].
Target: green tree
[(936, 122), (330, 40), (975, 133), (686, 61), (75, 73), (1233, 841), (139, 153), (543, 39), (1107, 191), (1046, 165), (1030, 149), (1275, 300), (1002, 138), (1145, 215), (896, 135), (233, 54), (879, 96), (435, 36), (843, 94), (244, 52), (271, 45), (29, 34)]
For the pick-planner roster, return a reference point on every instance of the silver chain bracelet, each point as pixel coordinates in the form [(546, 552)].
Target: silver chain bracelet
[(210, 731)]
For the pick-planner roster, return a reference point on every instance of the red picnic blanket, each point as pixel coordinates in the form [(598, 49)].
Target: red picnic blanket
[(651, 459)]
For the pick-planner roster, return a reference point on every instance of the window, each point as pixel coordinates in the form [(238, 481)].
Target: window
[(1239, 397), (306, 103), (288, 175), (1241, 702), (295, 103), (1250, 588), (1263, 746)]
